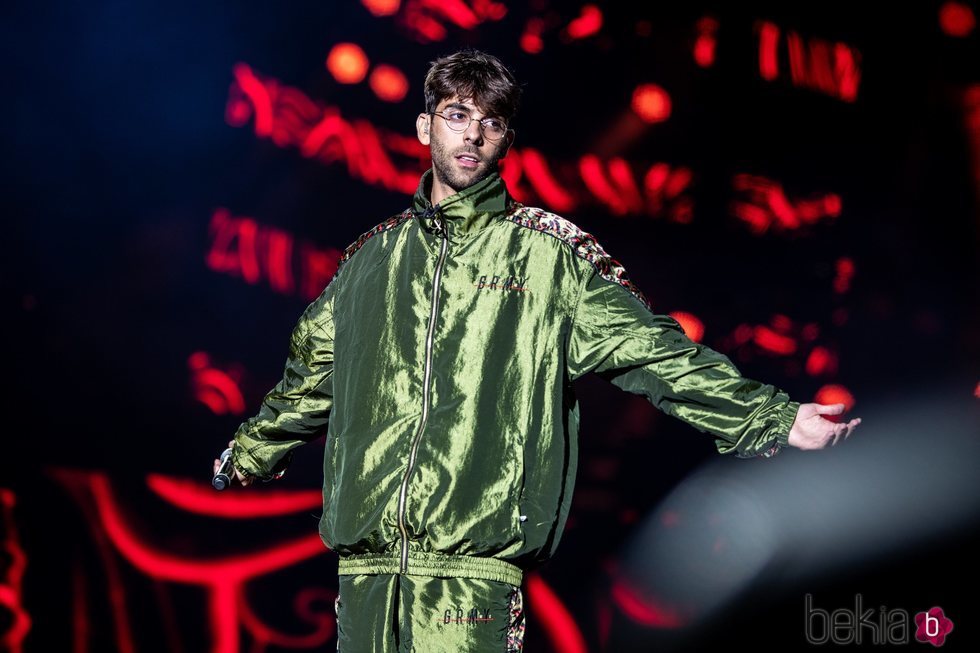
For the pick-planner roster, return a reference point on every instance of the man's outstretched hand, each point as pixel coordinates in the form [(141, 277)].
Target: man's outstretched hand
[(811, 431), (244, 480)]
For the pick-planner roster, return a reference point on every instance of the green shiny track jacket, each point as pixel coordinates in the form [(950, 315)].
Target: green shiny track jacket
[(440, 360)]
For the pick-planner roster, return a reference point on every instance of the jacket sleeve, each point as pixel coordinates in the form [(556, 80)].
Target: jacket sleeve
[(616, 335), (297, 409)]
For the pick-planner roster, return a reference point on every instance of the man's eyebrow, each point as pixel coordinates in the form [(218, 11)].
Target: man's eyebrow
[(460, 105), (457, 105)]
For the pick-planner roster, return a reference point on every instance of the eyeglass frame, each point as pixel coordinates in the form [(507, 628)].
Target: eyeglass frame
[(480, 120)]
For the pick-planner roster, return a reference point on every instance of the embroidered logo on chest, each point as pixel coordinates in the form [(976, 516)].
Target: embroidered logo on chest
[(499, 282)]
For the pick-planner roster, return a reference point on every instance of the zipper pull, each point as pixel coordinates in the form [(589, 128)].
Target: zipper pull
[(440, 225)]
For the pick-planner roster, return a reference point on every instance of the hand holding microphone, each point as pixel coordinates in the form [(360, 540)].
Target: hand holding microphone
[(225, 473)]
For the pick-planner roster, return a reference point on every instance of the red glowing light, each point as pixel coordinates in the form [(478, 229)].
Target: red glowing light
[(382, 8), (555, 619), (768, 50), (347, 63), (706, 42), (223, 578), (619, 200), (288, 117), (531, 41), (957, 19), (535, 166), (324, 622), (242, 247), (200, 498), (821, 361), (833, 393), (388, 83), (845, 272), (817, 64), (213, 387), (774, 342), (644, 610), (651, 103), (830, 68), (427, 19), (766, 205), (588, 22), (13, 563), (693, 327)]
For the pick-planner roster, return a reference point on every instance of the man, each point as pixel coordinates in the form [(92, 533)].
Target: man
[(440, 360)]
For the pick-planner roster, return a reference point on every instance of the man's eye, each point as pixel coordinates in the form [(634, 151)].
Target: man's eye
[(458, 115), (494, 124)]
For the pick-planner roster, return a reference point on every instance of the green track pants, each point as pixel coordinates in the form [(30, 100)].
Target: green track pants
[(388, 612)]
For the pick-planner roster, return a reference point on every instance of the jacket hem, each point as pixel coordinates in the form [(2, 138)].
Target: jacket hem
[(433, 564)]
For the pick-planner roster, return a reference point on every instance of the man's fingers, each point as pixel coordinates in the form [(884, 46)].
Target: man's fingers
[(830, 409)]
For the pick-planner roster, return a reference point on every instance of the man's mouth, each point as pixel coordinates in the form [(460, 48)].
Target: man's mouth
[(468, 160)]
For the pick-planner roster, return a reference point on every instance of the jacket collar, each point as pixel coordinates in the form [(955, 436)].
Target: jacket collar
[(464, 213)]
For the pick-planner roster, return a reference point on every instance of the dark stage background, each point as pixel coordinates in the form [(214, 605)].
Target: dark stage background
[(797, 183)]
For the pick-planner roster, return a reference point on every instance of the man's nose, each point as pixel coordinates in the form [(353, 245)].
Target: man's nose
[(474, 131)]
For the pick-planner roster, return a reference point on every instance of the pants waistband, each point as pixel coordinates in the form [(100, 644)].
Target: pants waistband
[(432, 564)]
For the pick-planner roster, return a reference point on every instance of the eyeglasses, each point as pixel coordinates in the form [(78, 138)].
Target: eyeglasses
[(459, 120)]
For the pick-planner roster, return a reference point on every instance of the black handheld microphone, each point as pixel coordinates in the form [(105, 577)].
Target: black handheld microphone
[(222, 477)]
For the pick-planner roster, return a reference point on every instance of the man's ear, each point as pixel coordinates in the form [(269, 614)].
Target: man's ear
[(422, 128)]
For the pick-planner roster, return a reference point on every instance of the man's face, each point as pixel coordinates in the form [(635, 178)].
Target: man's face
[(447, 147)]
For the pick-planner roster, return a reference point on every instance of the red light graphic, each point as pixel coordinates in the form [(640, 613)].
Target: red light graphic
[(347, 63), (426, 20), (620, 200), (321, 133), (845, 272), (833, 393), (782, 337), (323, 621), (830, 68), (554, 617), (588, 23), (957, 19), (224, 579), (200, 498), (692, 325), (651, 103), (388, 83), (706, 42), (17, 623), (767, 206), (215, 388), (531, 41), (768, 50), (774, 342), (241, 247), (288, 117), (382, 7), (644, 610), (535, 166), (821, 362)]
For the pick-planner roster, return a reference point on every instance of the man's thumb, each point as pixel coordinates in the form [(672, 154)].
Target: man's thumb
[(830, 409)]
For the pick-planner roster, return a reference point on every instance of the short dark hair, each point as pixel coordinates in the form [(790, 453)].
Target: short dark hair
[(470, 73)]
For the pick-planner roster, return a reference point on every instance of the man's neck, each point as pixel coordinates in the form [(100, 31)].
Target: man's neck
[(439, 192)]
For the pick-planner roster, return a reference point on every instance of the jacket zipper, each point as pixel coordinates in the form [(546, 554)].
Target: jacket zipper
[(402, 496)]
